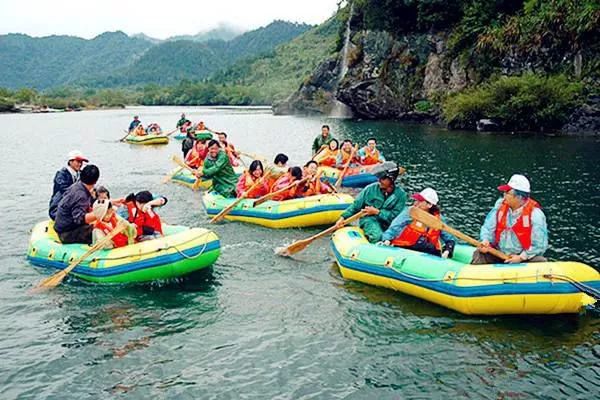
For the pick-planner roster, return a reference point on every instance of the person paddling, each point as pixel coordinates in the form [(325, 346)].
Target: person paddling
[(314, 185), (294, 174), (370, 155), (217, 167), (382, 201), (106, 222), (516, 226), (234, 156), (249, 178), (345, 153), (64, 178), (412, 234), (322, 140), (328, 156), (134, 124)]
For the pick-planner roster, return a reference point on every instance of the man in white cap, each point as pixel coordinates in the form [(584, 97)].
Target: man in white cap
[(64, 178), (516, 226), (412, 234)]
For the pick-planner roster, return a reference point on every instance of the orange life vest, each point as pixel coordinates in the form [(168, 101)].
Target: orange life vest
[(120, 239), (346, 156), (327, 157), (141, 219), (246, 181), (521, 228), (371, 157), (413, 232), (195, 158), (280, 183)]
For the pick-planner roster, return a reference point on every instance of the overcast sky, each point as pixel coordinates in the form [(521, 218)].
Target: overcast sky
[(159, 19)]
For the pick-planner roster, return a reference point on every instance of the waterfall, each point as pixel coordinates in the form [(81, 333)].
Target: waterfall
[(340, 110)]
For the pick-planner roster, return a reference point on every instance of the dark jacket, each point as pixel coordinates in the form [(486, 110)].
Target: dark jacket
[(62, 181), (134, 124), (76, 202)]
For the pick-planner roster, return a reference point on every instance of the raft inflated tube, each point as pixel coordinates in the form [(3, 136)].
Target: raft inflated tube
[(180, 252), (147, 139), (179, 136), (494, 289), (324, 209), (356, 177), (186, 178)]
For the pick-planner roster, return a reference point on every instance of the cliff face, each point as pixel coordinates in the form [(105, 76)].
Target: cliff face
[(408, 74)]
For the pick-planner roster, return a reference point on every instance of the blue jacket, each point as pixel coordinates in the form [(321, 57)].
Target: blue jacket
[(76, 202), (133, 124), (62, 181)]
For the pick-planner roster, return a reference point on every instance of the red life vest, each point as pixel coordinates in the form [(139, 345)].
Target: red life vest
[(413, 232), (195, 158), (521, 228), (280, 183), (371, 157), (246, 181), (141, 219), (120, 239)]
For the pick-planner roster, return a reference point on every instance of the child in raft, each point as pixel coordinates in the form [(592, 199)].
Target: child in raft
[(106, 222), (314, 185), (138, 209), (328, 156), (195, 157), (249, 178), (294, 174)]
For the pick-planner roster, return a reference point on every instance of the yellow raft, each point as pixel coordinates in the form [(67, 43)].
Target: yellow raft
[(147, 139), (322, 209), (186, 178), (528, 288)]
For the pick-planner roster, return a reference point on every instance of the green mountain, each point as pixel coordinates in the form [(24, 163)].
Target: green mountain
[(222, 32), (58, 60)]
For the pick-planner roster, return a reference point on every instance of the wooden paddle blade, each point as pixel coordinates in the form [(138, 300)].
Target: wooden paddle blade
[(294, 247), (50, 282)]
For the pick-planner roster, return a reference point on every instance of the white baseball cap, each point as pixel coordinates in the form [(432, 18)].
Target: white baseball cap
[(76, 155), (100, 208), (428, 194), (517, 182)]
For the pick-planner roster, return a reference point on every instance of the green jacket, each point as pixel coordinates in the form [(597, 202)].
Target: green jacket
[(388, 207), (181, 122), (319, 142), (222, 174)]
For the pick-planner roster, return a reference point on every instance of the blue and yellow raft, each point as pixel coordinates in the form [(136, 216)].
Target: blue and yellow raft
[(534, 288), (180, 252), (356, 177)]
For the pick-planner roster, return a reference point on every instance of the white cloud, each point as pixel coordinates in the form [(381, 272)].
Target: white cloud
[(160, 19)]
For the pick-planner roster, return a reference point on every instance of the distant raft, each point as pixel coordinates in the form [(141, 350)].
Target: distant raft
[(180, 252), (322, 209), (186, 178), (147, 139), (356, 177), (528, 288)]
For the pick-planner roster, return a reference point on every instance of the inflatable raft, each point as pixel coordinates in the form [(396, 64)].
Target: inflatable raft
[(180, 252), (534, 288), (147, 139), (356, 177), (186, 178), (322, 209), (180, 136)]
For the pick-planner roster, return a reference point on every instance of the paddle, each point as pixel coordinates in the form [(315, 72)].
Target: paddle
[(339, 181), (228, 209), (172, 132), (254, 156), (182, 164), (323, 147), (435, 223), (300, 245), (171, 175), (124, 137), (57, 278), (278, 192)]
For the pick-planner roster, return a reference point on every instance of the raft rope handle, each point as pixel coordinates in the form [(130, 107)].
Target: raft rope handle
[(582, 287), (163, 248)]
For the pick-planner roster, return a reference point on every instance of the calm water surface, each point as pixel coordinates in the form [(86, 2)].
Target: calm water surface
[(260, 326)]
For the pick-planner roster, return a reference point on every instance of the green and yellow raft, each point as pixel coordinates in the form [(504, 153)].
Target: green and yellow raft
[(180, 252), (186, 178), (147, 139), (322, 209), (528, 288)]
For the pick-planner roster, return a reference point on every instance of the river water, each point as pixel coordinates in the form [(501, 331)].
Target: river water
[(260, 326)]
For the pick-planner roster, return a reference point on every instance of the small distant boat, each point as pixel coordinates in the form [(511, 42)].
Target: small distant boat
[(186, 178), (147, 139)]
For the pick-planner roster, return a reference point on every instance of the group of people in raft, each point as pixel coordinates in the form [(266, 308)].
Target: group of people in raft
[(136, 128), (84, 213)]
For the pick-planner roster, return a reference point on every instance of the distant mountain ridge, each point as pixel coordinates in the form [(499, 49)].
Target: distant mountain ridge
[(115, 59)]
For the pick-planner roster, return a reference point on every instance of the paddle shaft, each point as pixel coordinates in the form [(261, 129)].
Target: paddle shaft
[(271, 195), (182, 164), (228, 209), (435, 223), (172, 132), (333, 228), (171, 175)]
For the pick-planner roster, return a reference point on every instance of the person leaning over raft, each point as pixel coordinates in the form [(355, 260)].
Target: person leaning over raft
[(64, 178), (322, 140), (412, 234), (516, 226), (74, 214), (134, 124), (138, 209), (217, 167), (383, 201)]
